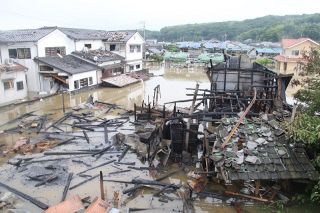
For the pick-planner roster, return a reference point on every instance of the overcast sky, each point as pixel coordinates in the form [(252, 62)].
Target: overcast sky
[(130, 14)]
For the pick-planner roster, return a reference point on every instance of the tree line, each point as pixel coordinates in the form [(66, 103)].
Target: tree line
[(267, 28)]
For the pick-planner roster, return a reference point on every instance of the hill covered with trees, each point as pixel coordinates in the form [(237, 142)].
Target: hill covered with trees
[(267, 28)]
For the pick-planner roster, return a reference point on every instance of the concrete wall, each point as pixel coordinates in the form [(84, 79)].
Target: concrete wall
[(79, 76), (13, 94), (95, 44)]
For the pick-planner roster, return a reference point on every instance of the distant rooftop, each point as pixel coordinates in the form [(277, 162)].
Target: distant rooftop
[(26, 35)]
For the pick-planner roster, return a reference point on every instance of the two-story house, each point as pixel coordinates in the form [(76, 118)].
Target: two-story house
[(13, 85), (41, 44), (292, 54)]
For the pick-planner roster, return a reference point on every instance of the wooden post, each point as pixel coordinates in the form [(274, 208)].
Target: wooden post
[(256, 190), (189, 119), (63, 109), (106, 139), (101, 186), (164, 111), (135, 111), (243, 115)]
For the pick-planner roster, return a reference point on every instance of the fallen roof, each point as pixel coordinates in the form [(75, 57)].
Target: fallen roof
[(265, 155), (98, 56), (25, 35), (120, 81), (12, 67), (68, 64)]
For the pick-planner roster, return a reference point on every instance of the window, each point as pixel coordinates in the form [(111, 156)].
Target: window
[(52, 51), (20, 85), (131, 48), (8, 85), (20, 53), (138, 66), (90, 81), (45, 68), (112, 47), (83, 82), (12, 53), (295, 52), (24, 53), (76, 84), (131, 68), (87, 46), (285, 66), (135, 48), (138, 48)]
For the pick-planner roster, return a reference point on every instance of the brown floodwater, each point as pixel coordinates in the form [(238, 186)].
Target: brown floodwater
[(173, 83)]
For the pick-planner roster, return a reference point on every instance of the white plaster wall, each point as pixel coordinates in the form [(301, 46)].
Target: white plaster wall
[(95, 44), (55, 39), (136, 39), (33, 81), (13, 94), (133, 63), (79, 76)]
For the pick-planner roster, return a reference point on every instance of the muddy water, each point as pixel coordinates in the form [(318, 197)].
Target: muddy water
[(172, 83)]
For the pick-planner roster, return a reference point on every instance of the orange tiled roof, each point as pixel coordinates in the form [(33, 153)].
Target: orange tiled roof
[(286, 43)]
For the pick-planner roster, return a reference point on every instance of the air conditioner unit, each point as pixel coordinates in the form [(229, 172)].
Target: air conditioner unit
[(11, 61), (8, 61)]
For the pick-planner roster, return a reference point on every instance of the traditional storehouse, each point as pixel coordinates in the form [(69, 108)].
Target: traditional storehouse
[(13, 84), (292, 54)]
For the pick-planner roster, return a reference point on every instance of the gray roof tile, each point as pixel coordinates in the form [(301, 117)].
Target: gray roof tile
[(68, 64)]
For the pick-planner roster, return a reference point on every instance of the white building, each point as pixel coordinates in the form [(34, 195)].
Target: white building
[(13, 85), (23, 46), (68, 70)]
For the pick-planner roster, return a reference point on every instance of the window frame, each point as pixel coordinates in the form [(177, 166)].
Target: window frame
[(20, 85), (11, 85)]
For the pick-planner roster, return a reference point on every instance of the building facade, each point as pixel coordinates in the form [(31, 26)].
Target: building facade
[(23, 46), (13, 84), (289, 61)]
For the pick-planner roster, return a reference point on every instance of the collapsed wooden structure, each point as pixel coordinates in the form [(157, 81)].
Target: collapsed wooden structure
[(252, 147)]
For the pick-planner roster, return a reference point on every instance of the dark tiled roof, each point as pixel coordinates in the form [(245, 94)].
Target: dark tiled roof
[(31, 35), (12, 67), (108, 36), (27, 35), (98, 56), (293, 163), (68, 64)]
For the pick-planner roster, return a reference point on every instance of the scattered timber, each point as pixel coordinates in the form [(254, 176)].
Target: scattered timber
[(103, 164), (25, 196), (66, 188)]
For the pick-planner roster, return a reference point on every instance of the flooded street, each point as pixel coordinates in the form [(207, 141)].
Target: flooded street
[(173, 83)]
